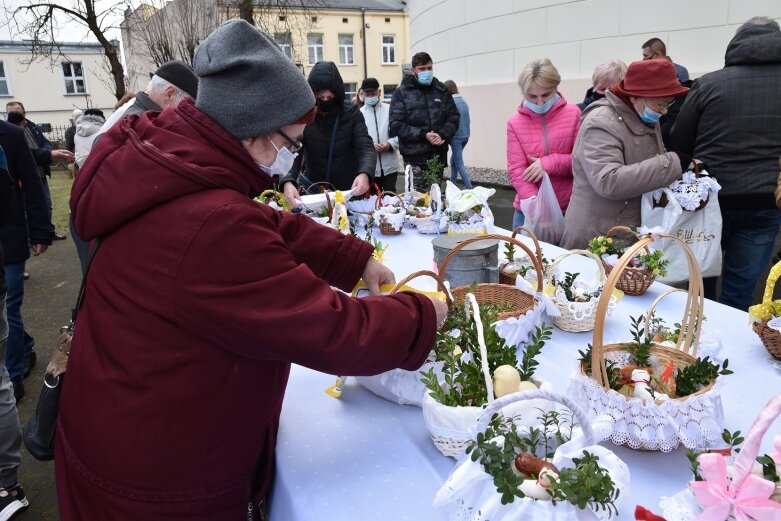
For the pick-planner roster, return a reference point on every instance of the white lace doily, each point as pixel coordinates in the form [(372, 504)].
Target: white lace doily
[(696, 422), (691, 190), (517, 330)]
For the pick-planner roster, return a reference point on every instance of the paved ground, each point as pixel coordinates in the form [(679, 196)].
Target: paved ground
[(50, 293)]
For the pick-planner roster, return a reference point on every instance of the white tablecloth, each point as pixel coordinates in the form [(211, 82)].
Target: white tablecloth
[(363, 458)]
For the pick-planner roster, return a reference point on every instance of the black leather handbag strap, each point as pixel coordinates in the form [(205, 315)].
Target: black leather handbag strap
[(80, 297)]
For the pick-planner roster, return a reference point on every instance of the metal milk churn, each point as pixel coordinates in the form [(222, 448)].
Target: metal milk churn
[(477, 262)]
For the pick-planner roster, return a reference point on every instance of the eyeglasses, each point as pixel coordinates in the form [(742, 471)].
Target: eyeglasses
[(662, 106), (297, 145)]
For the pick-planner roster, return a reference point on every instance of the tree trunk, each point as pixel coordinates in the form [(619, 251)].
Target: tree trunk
[(246, 11)]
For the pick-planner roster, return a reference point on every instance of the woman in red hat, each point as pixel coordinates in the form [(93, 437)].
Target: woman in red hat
[(619, 154)]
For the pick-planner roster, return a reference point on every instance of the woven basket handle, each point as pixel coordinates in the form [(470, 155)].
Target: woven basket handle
[(394, 194), (772, 278), (326, 185), (652, 309), (533, 237), (499, 403), (424, 273), (471, 307), (748, 453), (462, 245), (626, 229), (552, 269), (692, 316)]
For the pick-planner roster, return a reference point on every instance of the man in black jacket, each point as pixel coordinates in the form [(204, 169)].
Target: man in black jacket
[(41, 148), (731, 121), (12, 496), (337, 147), (424, 117), (27, 227)]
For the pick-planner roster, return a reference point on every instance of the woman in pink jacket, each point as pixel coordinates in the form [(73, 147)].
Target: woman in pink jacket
[(540, 136)]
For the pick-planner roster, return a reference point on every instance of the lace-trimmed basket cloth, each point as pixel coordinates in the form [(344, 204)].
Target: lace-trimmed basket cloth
[(695, 420), (469, 493)]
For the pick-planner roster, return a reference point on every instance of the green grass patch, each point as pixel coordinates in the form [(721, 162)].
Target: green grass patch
[(60, 187)]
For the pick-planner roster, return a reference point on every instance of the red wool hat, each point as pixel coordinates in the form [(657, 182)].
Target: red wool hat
[(650, 79)]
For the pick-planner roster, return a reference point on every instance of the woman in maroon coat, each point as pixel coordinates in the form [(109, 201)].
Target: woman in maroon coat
[(199, 299)]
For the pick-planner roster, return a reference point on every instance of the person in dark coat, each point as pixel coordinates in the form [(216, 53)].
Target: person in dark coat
[(605, 76), (337, 147), (731, 121), (27, 227), (424, 117), (199, 299)]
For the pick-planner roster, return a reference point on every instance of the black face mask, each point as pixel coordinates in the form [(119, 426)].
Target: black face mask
[(327, 105), (15, 118)]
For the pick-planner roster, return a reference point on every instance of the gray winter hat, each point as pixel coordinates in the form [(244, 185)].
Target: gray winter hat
[(247, 84)]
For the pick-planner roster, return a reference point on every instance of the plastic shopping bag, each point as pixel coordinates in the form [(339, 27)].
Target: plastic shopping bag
[(543, 214), (701, 230)]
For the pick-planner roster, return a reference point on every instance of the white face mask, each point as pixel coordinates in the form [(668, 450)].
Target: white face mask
[(373, 100), (282, 163)]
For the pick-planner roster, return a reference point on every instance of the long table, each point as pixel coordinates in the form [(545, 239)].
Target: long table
[(363, 458)]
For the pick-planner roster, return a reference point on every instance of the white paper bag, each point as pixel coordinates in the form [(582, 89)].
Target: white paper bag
[(700, 230)]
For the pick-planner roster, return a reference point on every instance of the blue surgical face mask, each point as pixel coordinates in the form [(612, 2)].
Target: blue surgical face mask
[(545, 107), (425, 77), (372, 101), (649, 116)]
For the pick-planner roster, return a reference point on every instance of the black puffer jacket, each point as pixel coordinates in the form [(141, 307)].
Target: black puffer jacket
[(732, 120), (418, 109), (27, 219), (353, 148)]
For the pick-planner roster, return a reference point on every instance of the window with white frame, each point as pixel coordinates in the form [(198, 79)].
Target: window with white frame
[(5, 87), (285, 42), (388, 48), (346, 50), (315, 44), (350, 90), (73, 74)]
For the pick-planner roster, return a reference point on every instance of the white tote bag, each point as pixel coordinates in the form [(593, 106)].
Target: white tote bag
[(701, 230), (543, 213)]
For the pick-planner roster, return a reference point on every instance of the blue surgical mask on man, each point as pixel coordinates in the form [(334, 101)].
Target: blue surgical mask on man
[(545, 107), (372, 101), (649, 116), (425, 77)]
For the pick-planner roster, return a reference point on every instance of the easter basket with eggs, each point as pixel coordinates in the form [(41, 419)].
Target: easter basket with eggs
[(740, 485), (477, 366), (467, 211), (391, 213), (658, 396), (522, 308), (642, 269), (766, 317), (575, 296), (517, 264), (526, 463)]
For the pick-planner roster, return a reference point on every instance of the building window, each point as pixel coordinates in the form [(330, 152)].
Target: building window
[(282, 18), (315, 44), (346, 51), (387, 91), (350, 90), (285, 42), (388, 49), (73, 74), (387, 20), (5, 87), (344, 20), (314, 19)]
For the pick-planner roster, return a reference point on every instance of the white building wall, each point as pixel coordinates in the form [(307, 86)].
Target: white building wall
[(482, 45)]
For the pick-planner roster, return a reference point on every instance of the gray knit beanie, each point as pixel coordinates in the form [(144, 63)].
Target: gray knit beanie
[(247, 84)]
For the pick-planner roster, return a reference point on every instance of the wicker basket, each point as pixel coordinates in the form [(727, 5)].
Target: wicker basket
[(663, 201), (771, 338), (386, 227), (398, 385), (504, 278), (490, 293), (323, 187), (584, 318), (633, 281), (683, 354)]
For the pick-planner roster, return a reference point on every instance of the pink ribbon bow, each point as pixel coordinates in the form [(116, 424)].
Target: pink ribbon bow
[(719, 497)]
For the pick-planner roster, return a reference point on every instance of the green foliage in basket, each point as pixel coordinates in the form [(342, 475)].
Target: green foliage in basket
[(464, 382), (433, 173), (568, 286), (613, 371), (689, 379), (769, 470), (509, 255), (641, 347), (585, 484), (733, 440), (653, 261)]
